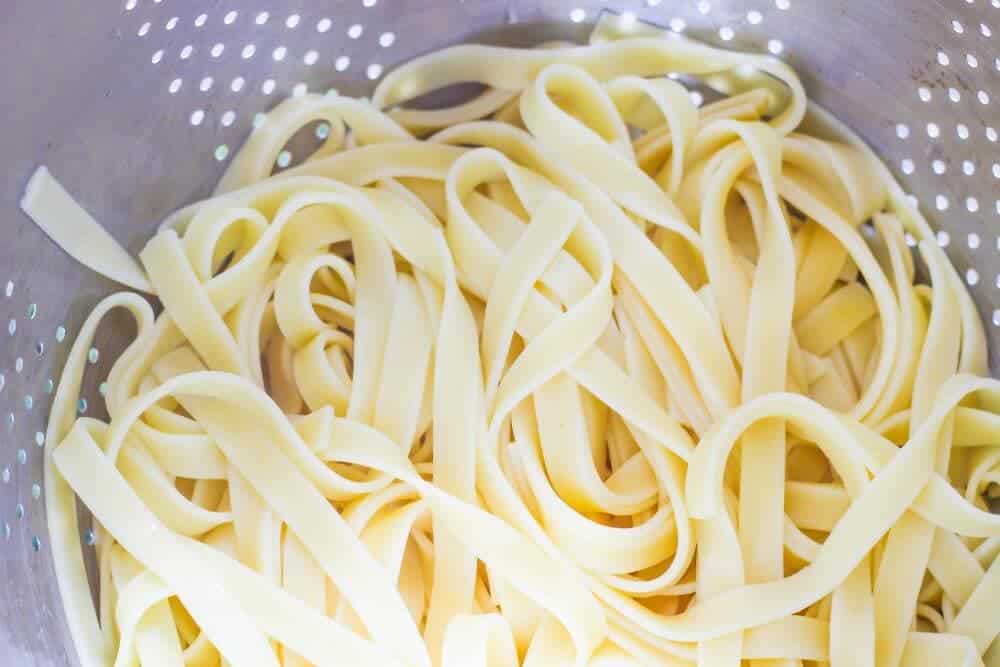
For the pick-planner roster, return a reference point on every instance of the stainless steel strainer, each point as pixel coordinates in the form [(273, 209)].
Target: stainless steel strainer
[(136, 105)]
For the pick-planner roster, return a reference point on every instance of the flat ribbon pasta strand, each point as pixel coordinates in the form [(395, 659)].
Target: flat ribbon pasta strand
[(514, 69), (59, 501), (63, 219), (256, 158)]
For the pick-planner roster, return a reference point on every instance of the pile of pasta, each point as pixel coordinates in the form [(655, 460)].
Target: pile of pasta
[(573, 373)]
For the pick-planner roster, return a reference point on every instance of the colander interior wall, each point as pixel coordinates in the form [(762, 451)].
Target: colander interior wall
[(136, 105)]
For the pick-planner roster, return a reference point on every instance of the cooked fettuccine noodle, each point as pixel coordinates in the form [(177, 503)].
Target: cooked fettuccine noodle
[(575, 373)]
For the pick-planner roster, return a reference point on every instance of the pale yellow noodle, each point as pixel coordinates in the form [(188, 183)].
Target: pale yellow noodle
[(573, 373)]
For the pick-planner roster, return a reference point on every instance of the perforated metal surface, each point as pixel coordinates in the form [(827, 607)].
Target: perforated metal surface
[(137, 105)]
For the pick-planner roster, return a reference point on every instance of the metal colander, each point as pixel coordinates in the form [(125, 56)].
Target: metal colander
[(136, 106)]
